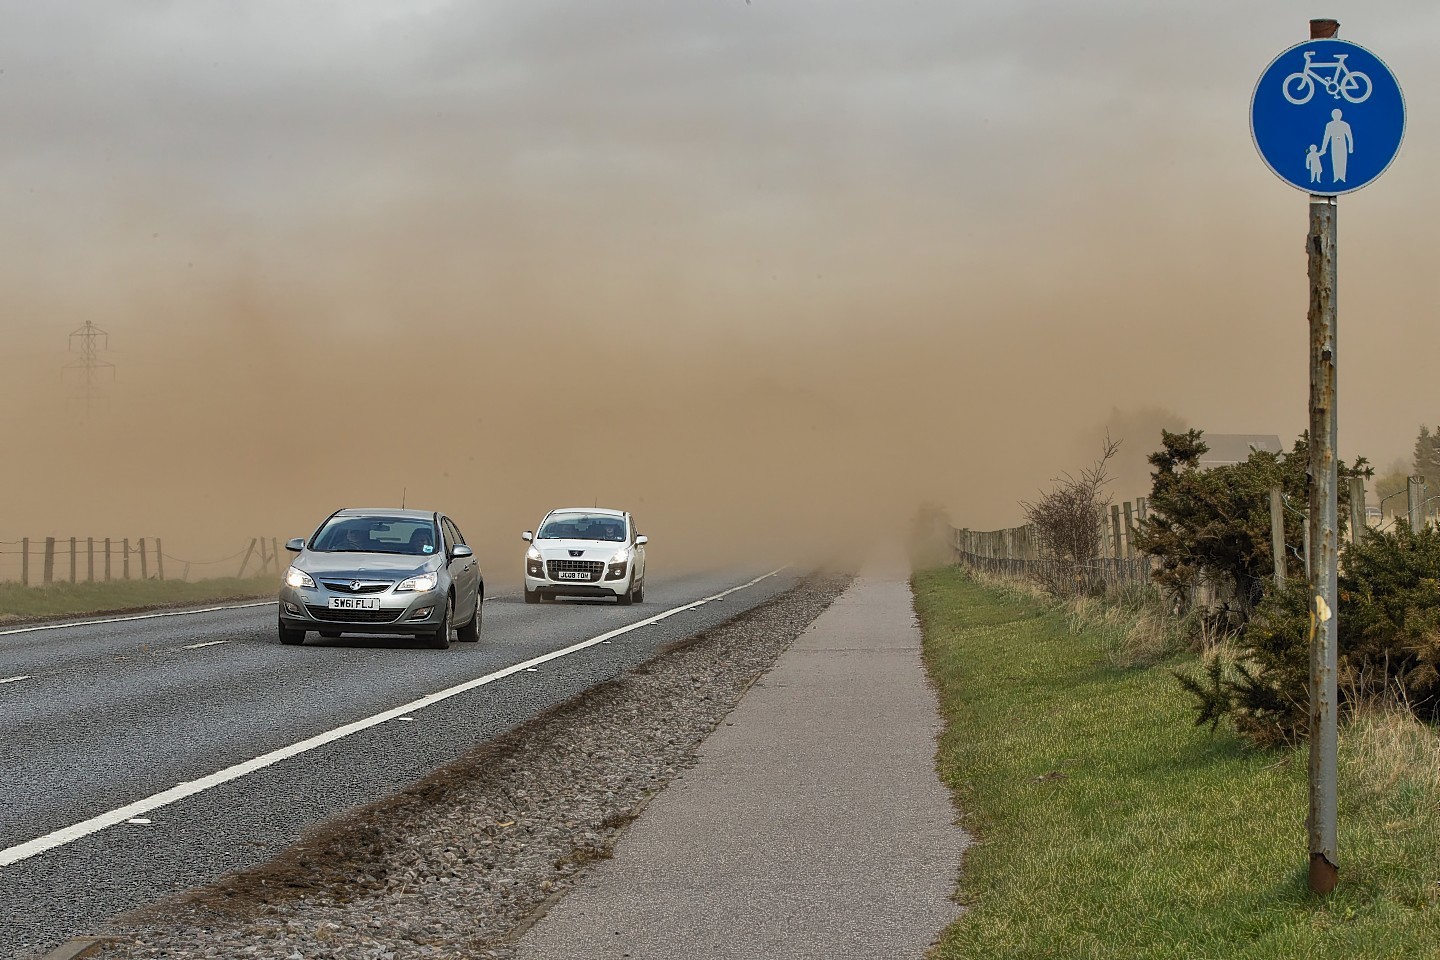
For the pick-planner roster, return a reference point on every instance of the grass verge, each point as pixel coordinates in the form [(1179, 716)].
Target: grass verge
[(1109, 826), (18, 603)]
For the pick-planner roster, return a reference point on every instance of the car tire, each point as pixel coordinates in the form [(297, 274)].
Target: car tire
[(626, 598), (440, 639), (640, 592), (470, 633), (289, 636), (532, 596)]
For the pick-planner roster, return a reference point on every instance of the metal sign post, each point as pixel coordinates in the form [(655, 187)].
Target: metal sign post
[(1327, 117)]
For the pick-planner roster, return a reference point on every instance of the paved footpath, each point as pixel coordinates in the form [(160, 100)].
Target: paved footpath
[(813, 826)]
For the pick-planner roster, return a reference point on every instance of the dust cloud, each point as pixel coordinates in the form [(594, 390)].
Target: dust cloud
[(768, 275)]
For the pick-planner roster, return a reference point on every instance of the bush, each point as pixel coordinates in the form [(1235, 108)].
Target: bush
[(1215, 524), (1389, 643)]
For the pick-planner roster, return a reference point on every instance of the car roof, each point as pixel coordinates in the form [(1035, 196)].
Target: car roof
[(386, 512), (594, 511)]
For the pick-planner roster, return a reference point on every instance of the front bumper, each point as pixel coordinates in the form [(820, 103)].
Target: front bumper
[(606, 586), (303, 608)]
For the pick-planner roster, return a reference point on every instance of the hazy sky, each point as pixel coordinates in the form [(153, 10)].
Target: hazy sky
[(944, 242)]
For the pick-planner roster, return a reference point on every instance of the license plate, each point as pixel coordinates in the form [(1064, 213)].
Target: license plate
[(354, 603), (574, 575)]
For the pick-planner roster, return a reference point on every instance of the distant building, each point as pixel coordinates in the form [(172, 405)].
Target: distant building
[(1231, 448)]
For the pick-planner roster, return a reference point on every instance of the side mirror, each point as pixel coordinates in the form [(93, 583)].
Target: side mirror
[(461, 551), (296, 545), (641, 540), (527, 536)]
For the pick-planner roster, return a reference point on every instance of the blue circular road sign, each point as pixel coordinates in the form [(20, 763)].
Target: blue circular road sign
[(1327, 116)]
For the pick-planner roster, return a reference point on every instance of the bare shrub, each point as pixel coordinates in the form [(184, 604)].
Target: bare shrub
[(1067, 521)]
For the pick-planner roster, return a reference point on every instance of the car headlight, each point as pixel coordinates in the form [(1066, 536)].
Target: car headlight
[(621, 556), (296, 577), (533, 554), (425, 581)]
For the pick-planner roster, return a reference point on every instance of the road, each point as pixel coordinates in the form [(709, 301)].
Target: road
[(109, 715)]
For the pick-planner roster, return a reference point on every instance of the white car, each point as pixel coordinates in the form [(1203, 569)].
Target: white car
[(585, 552)]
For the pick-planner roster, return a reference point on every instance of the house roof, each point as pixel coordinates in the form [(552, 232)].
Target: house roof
[(1229, 448)]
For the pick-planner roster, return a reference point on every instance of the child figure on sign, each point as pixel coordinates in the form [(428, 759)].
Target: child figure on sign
[(1313, 163)]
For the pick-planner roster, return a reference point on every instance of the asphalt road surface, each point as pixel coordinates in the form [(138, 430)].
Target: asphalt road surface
[(98, 721)]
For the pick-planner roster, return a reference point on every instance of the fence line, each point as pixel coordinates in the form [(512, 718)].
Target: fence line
[(42, 561), (1016, 551)]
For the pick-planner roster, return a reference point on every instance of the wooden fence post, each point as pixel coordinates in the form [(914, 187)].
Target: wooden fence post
[(245, 562), (159, 560), (72, 559), (107, 559), (1277, 533), (1357, 508), (144, 561), (89, 559), (1115, 527), (126, 555), (1129, 530), (49, 560), (25, 561)]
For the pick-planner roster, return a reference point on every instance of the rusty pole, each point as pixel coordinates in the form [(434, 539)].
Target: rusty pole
[(1324, 537)]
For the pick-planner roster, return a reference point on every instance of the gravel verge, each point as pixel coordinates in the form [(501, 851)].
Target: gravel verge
[(461, 863)]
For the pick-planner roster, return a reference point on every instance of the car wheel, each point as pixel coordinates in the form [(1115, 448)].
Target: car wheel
[(290, 637), (440, 639), (329, 634), (470, 633), (532, 596), (640, 592), (626, 598)]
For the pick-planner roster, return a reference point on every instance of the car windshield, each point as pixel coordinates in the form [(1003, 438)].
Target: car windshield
[(583, 526), (376, 535)]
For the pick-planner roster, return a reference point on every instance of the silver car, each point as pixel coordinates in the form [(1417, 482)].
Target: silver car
[(383, 571)]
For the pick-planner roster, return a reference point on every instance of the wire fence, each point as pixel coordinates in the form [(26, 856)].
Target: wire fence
[(1016, 551), (42, 561)]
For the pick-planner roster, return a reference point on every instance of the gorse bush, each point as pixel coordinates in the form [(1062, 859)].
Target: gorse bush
[(1215, 523), (1390, 618), (1389, 643)]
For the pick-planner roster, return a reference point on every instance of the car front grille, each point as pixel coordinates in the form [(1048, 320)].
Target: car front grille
[(353, 616), (344, 586), (591, 568)]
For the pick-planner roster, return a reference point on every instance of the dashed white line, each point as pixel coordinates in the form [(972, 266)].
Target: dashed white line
[(138, 616), (15, 679), (207, 643), (59, 838)]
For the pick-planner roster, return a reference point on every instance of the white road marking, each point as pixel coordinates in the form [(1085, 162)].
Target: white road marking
[(59, 838), (207, 643), (15, 679), (138, 616), (140, 820)]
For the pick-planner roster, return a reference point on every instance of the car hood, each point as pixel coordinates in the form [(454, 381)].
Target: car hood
[(589, 549), (361, 566)]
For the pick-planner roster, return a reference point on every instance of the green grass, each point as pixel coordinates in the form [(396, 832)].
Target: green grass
[(1107, 825), (83, 599)]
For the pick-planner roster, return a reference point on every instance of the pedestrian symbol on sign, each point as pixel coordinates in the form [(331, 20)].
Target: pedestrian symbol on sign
[(1341, 143)]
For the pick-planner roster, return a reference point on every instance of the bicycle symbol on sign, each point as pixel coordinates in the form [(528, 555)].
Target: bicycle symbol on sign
[(1353, 85)]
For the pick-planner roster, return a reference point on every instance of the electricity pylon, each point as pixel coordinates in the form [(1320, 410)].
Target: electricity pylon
[(87, 370)]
